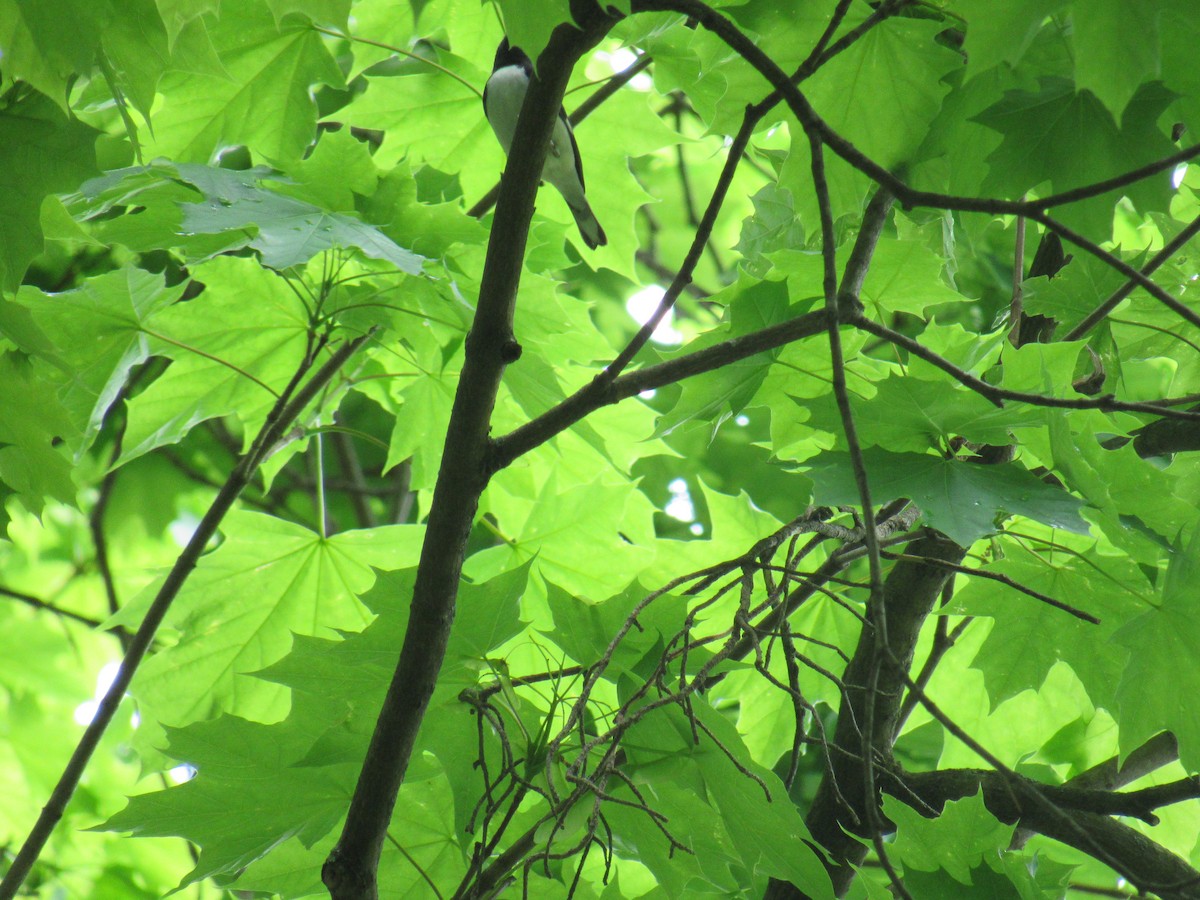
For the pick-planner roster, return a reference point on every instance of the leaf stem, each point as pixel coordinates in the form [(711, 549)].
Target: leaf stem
[(158, 336), (394, 49)]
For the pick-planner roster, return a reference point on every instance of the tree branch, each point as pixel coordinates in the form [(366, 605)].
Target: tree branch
[(38, 603), (287, 408), (350, 869), (839, 810), (1004, 800), (1168, 251), (997, 395), (877, 607), (1086, 826)]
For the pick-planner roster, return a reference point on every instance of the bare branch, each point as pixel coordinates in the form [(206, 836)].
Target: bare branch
[(1169, 249), (288, 407), (350, 869)]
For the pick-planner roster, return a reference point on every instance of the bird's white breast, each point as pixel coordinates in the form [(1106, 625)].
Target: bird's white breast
[(505, 94)]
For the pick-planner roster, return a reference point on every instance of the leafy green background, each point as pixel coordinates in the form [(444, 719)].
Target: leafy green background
[(198, 196)]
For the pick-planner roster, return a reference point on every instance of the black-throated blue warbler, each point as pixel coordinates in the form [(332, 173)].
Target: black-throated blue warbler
[(502, 98)]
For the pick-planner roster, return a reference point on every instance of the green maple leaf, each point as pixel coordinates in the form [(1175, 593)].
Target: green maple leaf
[(136, 46), (324, 673), (94, 336), (896, 72), (961, 499), (584, 629), (563, 529), (1017, 657), (263, 100), (433, 117), (992, 38), (905, 276), (714, 396), (238, 612), (1067, 138), (228, 209), (45, 44), (1116, 50), (231, 809), (956, 841), (289, 232), (31, 419), (1161, 680), (230, 356), (41, 152)]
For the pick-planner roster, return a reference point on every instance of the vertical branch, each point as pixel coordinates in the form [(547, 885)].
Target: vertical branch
[(1017, 305), (350, 870), (912, 587), (352, 469), (876, 608)]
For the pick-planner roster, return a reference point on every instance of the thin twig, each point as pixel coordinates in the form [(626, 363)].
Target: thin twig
[(44, 606), (1005, 580), (286, 410), (1169, 249)]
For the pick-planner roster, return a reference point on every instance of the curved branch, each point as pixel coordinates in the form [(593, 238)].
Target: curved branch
[(290, 405), (1078, 818), (604, 390)]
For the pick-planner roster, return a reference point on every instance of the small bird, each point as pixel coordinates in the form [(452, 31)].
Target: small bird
[(502, 98)]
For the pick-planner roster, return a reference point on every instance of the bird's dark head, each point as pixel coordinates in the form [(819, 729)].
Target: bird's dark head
[(509, 55)]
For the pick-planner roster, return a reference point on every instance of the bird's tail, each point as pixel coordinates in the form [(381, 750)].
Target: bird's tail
[(589, 226)]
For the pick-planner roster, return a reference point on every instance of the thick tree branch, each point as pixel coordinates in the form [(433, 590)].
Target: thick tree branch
[(839, 810), (1168, 435), (1002, 791), (1078, 818), (350, 870)]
